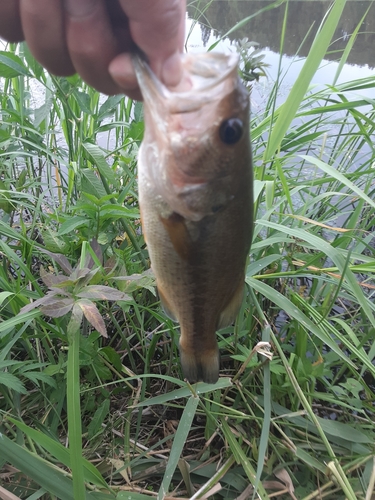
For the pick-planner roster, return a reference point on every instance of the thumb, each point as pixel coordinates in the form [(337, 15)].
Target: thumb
[(158, 29)]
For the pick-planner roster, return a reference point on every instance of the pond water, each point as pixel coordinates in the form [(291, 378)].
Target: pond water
[(208, 21)]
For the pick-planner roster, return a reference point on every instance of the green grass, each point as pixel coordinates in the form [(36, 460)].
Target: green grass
[(92, 401)]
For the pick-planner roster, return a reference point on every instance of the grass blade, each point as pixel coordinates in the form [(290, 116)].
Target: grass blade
[(59, 452), (241, 458), (185, 392), (74, 403), (285, 304), (178, 444), (299, 89), (50, 478)]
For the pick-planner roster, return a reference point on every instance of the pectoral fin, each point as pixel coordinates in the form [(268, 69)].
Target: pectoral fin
[(178, 235)]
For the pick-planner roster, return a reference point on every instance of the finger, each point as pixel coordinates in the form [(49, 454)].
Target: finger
[(93, 42), (158, 29), (10, 22), (122, 71), (43, 26)]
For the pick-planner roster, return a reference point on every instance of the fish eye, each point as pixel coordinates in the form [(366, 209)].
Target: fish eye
[(231, 130)]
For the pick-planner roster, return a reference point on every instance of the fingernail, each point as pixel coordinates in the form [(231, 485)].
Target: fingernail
[(80, 8), (121, 70), (171, 71)]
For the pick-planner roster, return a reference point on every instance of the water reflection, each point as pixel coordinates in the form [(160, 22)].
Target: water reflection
[(304, 17)]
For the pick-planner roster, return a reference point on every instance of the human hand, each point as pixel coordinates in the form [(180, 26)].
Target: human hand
[(96, 37)]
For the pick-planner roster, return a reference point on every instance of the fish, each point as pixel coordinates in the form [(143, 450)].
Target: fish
[(196, 199)]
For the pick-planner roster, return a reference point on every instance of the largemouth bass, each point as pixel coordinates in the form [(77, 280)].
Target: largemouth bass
[(196, 200)]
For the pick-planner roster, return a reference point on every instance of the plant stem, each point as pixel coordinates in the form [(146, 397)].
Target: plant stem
[(74, 405)]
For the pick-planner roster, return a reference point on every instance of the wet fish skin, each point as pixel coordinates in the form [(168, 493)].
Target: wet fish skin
[(195, 195)]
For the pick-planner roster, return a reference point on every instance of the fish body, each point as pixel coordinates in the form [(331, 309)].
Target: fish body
[(196, 200)]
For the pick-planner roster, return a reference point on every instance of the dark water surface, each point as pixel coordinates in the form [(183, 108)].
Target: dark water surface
[(215, 18), (209, 21)]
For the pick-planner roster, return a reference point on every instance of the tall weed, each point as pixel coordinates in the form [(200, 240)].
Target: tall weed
[(82, 414)]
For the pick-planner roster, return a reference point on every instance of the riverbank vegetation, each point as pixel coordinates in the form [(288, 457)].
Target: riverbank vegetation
[(92, 401)]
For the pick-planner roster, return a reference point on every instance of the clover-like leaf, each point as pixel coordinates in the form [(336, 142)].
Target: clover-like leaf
[(79, 272), (50, 279), (75, 320), (36, 377), (102, 292), (63, 284), (49, 298), (136, 281), (110, 265), (60, 259), (97, 251), (12, 382), (57, 308), (83, 276), (93, 315)]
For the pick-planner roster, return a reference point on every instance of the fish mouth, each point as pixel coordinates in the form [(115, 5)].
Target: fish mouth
[(203, 78), (180, 154)]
